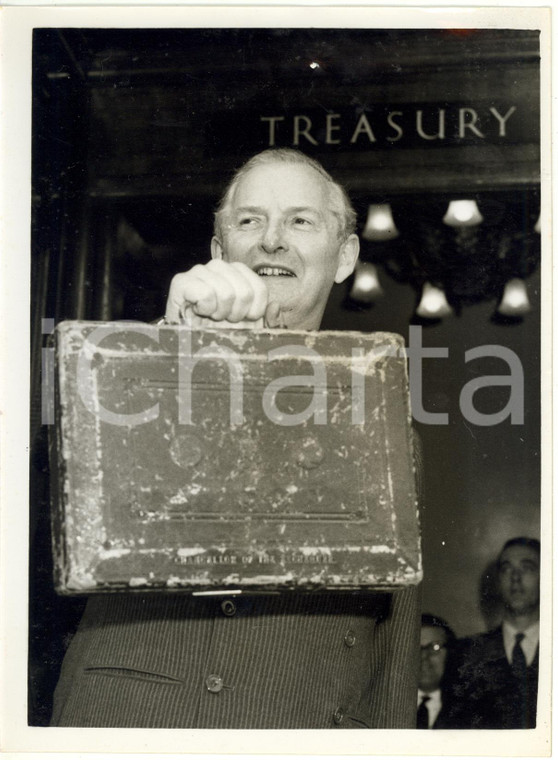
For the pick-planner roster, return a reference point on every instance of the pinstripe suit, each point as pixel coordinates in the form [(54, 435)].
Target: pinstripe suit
[(342, 660), (337, 660)]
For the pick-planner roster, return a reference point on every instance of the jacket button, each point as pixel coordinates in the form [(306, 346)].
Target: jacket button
[(228, 608), (350, 638), (338, 716), (214, 683)]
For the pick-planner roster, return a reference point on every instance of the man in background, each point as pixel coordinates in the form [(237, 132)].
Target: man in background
[(498, 671), (437, 706)]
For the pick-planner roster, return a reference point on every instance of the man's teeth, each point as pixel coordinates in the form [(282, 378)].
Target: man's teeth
[(274, 272)]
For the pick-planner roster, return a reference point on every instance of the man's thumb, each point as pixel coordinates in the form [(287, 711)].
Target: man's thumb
[(273, 315)]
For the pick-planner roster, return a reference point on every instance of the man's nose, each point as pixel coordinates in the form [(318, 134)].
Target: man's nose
[(273, 237)]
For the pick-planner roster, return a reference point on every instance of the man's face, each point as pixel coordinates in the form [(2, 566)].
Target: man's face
[(433, 656), (280, 224), (519, 576)]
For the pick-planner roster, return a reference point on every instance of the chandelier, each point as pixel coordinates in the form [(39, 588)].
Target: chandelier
[(453, 251)]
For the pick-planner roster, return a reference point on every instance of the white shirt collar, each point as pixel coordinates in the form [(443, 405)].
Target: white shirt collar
[(529, 644)]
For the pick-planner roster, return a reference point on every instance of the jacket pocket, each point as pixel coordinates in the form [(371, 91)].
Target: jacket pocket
[(352, 722), (117, 671)]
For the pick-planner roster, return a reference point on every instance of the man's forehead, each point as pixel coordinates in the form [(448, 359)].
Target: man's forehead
[(301, 184), (431, 633), (518, 553)]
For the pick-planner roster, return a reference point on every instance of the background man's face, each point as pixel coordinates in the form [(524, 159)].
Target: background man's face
[(519, 577), (432, 662), (281, 226)]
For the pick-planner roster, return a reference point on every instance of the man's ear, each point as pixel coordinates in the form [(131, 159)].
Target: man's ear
[(216, 248), (348, 255)]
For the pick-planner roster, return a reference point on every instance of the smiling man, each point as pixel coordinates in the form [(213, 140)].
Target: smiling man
[(499, 670), (284, 233)]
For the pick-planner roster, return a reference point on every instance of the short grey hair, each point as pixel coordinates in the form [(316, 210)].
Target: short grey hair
[(342, 208)]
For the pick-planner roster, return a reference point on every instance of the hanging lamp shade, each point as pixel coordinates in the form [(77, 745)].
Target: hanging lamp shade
[(433, 303), (366, 285), (537, 226), (379, 223), (464, 213), (515, 301)]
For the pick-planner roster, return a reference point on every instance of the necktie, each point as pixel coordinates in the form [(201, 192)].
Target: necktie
[(422, 713), (519, 663)]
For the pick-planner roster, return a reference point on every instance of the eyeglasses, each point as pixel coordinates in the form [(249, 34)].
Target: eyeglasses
[(432, 648)]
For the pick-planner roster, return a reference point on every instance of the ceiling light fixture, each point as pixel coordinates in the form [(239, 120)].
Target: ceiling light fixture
[(433, 303), (379, 224), (464, 213), (515, 301), (366, 285)]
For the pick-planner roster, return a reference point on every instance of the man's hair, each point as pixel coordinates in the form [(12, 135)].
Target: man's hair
[(339, 200), (433, 621), (531, 543)]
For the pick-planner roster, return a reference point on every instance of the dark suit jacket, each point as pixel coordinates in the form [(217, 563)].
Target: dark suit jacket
[(454, 713), (492, 696), (174, 661)]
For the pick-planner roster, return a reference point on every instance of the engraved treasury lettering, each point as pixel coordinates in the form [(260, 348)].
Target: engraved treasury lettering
[(207, 559), (318, 558), (382, 125)]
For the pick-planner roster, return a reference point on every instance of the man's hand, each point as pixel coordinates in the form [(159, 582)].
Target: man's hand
[(221, 291)]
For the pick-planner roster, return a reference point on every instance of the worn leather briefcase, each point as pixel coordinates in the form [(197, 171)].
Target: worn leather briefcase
[(218, 459)]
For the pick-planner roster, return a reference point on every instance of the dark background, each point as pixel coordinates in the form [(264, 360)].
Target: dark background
[(135, 133)]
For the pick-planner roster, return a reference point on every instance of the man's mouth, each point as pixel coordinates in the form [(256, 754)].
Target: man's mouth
[(265, 271)]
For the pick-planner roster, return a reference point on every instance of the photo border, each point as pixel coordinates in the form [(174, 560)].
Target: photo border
[(16, 24)]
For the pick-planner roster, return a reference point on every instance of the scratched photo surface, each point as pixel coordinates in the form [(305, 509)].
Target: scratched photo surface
[(135, 136)]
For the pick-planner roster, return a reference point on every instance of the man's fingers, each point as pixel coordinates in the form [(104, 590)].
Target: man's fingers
[(260, 292), (219, 290), (242, 289), (187, 289), (224, 294)]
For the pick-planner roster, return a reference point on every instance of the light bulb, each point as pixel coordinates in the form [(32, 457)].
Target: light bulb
[(515, 301), (433, 303), (463, 214), (537, 226), (380, 224), (366, 286)]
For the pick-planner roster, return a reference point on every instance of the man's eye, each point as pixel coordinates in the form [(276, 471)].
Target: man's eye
[(248, 221), (301, 221)]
